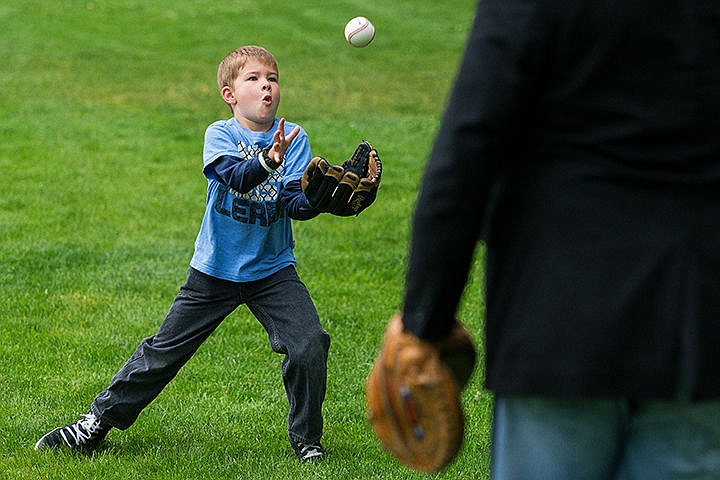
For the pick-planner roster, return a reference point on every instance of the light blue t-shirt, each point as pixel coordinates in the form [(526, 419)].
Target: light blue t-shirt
[(246, 237)]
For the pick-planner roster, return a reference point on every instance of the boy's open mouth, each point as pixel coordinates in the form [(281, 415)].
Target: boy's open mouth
[(267, 99)]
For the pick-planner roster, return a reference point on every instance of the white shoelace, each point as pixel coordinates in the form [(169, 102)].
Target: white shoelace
[(81, 431), (311, 451)]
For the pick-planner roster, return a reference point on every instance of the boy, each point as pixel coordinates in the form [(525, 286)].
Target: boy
[(243, 254)]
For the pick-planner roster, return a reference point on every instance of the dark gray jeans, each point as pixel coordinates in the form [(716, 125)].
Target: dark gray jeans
[(283, 306)]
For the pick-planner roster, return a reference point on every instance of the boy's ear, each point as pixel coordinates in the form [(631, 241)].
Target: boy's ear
[(227, 95)]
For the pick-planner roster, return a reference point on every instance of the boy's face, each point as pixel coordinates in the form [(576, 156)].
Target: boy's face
[(254, 96)]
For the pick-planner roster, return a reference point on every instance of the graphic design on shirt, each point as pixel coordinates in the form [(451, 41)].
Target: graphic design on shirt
[(261, 205)]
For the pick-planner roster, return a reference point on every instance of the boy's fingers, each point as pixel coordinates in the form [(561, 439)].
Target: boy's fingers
[(293, 134)]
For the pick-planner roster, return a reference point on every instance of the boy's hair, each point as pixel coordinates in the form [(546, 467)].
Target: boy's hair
[(232, 63)]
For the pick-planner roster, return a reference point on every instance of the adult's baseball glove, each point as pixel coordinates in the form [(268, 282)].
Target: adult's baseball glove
[(346, 189), (413, 395)]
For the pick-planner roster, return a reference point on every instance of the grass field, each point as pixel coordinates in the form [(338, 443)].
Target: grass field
[(104, 104)]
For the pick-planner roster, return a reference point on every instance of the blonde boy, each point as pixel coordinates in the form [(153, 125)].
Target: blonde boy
[(253, 163)]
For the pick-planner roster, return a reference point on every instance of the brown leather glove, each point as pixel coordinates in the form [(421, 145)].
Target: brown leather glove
[(413, 395)]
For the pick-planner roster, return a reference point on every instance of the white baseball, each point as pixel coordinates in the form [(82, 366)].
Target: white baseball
[(359, 32)]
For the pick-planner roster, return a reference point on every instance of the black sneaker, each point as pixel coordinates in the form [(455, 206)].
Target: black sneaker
[(308, 452), (83, 435)]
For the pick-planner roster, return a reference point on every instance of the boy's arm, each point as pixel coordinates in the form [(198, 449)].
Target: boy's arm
[(241, 175), (296, 203)]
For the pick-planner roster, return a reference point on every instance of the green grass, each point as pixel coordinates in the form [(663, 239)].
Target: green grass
[(104, 105)]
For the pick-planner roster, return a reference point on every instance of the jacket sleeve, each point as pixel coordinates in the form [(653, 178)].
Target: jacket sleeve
[(479, 130)]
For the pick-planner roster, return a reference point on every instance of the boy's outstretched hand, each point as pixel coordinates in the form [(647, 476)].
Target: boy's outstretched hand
[(275, 154)]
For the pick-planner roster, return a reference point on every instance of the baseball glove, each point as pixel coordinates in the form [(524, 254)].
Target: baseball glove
[(344, 190), (413, 395)]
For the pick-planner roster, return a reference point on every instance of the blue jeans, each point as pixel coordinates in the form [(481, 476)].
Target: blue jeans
[(283, 306), (594, 439)]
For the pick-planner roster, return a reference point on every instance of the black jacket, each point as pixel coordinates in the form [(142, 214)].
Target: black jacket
[(581, 142)]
